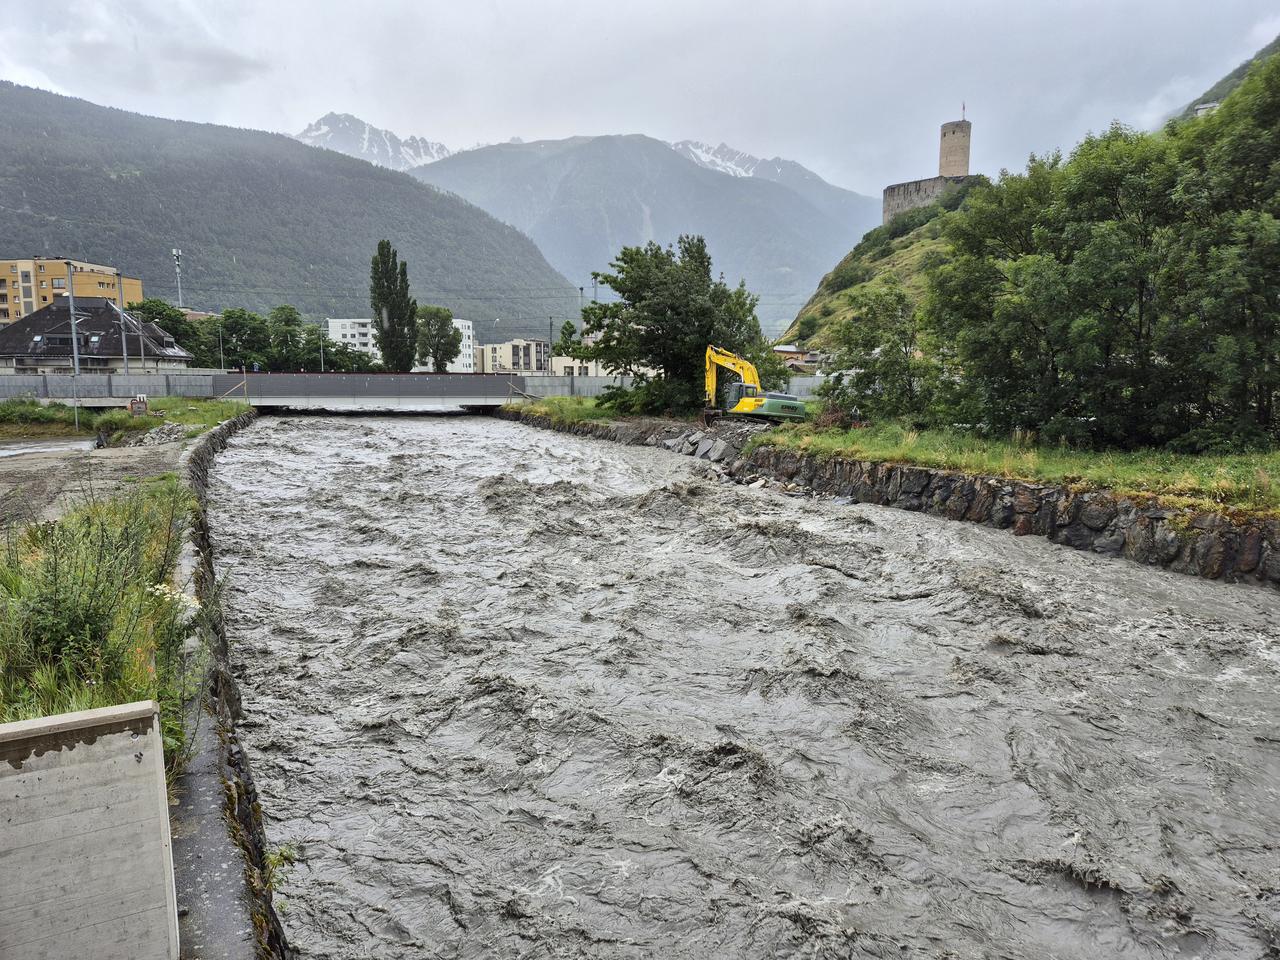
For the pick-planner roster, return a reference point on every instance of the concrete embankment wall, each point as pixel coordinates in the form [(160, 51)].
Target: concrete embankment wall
[(1207, 545), (220, 850)]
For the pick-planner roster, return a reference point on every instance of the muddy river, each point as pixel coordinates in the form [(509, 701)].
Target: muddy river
[(514, 693)]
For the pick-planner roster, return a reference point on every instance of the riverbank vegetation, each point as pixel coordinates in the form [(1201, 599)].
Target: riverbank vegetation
[(669, 306), (89, 615), (1241, 482), (564, 409), (22, 418), (1121, 298)]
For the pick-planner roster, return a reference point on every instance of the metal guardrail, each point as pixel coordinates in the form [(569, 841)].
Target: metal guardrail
[(484, 389)]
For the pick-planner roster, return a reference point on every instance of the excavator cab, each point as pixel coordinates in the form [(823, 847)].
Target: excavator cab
[(745, 396)]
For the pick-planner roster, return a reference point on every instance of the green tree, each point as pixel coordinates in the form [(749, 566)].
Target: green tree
[(439, 339), (395, 312), (883, 369), (569, 340), (668, 309)]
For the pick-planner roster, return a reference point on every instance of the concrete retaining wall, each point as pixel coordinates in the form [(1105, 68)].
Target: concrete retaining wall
[(1206, 545), (85, 860), (220, 849)]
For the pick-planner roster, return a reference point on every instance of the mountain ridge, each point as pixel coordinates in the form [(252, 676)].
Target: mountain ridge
[(582, 198), (261, 218)]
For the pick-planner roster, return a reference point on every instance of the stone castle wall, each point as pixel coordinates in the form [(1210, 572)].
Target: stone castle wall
[(900, 197)]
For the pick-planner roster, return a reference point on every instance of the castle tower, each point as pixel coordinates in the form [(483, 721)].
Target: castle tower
[(953, 152)]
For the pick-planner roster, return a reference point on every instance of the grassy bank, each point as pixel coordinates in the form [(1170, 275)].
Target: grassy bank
[(1247, 483), (89, 616), (564, 409), (22, 419)]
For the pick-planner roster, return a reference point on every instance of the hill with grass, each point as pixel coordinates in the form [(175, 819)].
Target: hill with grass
[(904, 249), (1219, 91), (261, 218)]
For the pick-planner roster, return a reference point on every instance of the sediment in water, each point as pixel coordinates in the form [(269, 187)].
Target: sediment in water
[(507, 692)]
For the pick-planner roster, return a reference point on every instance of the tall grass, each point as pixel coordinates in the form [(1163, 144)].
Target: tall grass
[(57, 418), (89, 616), (565, 409)]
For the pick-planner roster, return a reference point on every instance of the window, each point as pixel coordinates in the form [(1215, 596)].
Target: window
[(4, 298), (41, 268), (44, 298), (44, 285), (3, 283), (26, 276), (37, 338)]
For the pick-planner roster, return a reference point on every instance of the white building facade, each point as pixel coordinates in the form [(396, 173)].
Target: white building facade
[(466, 359), (354, 333)]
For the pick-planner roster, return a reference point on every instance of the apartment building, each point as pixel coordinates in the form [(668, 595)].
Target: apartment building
[(355, 333), (27, 285), (466, 359), (514, 356)]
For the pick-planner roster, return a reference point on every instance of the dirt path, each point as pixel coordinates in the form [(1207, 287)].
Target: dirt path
[(49, 476), (512, 693)]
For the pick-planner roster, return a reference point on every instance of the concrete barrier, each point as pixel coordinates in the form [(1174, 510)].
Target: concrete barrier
[(86, 868)]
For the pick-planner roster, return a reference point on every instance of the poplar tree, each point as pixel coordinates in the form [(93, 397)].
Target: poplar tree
[(395, 312)]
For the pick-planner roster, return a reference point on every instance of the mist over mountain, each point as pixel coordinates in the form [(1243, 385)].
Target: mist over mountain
[(261, 218), (1224, 86), (582, 199), (844, 204), (351, 135)]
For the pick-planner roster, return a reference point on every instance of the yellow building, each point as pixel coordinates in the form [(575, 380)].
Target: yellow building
[(28, 285)]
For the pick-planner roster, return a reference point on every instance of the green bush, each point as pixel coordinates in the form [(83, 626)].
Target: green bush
[(88, 613)]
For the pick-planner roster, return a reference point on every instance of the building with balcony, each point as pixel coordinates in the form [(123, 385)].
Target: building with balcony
[(28, 285), (354, 333), (514, 356), (109, 341)]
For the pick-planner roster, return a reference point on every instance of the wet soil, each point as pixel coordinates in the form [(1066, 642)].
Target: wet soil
[(42, 478), (511, 693)]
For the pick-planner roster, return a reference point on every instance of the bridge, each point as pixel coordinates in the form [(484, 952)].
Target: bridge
[(356, 392), (371, 392)]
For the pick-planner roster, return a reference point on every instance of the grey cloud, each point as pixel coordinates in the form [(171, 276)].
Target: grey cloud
[(854, 88)]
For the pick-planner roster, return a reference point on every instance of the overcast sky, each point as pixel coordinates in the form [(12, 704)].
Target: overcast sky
[(853, 89)]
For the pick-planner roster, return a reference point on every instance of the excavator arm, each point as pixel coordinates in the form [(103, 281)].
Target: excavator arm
[(745, 369)]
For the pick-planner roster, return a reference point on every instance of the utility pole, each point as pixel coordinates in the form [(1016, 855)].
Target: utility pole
[(177, 269), (322, 354), (551, 341), (581, 294), (75, 341), (222, 360), (124, 333), (595, 289)]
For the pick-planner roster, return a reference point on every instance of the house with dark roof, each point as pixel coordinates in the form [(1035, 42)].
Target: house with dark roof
[(41, 341)]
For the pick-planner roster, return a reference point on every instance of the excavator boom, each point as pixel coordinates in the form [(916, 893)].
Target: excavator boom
[(746, 396)]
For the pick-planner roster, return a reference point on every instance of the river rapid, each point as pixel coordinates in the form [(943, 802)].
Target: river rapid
[(515, 693)]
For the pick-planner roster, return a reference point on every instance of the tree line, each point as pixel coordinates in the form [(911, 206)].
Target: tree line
[(1125, 296), (283, 342)]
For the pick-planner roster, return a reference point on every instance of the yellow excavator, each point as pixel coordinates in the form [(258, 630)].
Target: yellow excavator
[(745, 396)]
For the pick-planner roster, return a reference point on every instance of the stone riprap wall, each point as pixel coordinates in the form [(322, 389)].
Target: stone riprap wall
[(1207, 545), (220, 850)]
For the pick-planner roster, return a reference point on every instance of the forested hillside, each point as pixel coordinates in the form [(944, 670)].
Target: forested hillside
[(901, 251), (1219, 90), (1124, 296), (261, 219), (585, 198)]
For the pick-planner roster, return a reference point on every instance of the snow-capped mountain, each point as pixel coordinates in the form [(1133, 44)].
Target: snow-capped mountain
[(723, 159), (351, 135), (836, 201)]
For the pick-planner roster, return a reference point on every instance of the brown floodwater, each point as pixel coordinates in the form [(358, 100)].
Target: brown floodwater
[(516, 693)]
